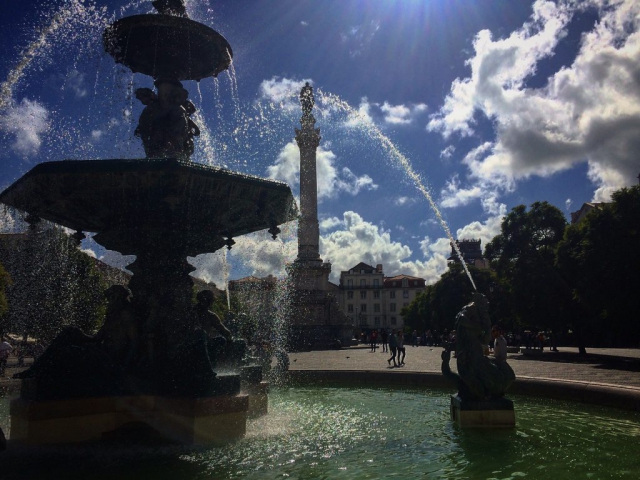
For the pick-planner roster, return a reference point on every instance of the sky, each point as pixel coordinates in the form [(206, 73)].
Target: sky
[(474, 106)]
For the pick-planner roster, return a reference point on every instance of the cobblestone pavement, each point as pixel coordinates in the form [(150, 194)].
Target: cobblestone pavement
[(600, 365)]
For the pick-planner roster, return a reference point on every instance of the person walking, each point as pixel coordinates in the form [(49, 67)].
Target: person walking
[(401, 348), (415, 338), (374, 340), (384, 337), (393, 345)]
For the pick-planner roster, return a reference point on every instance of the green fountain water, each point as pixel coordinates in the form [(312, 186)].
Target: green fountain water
[(314, 432)]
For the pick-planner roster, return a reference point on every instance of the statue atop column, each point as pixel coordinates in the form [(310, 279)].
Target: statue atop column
[(306, 99)]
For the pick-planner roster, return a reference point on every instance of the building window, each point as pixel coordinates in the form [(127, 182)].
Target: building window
[(350, 282), (393, 320), (392, 307), (392, 294), (362, 271), (363, 294), (377, 321), (363, 307), (376, 307), (350, 308), (376, 282), (405, 294), (376, 294), (350, 294), (405, 283), (363, 283)]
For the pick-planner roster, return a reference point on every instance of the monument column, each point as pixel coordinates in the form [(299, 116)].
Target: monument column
[(308, 139)]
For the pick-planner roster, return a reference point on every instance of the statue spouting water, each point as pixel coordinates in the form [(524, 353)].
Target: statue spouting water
[(478, 377)]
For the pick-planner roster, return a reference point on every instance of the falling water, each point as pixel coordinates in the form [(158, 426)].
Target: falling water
[(374, 132), (72, 18), (225, 277)]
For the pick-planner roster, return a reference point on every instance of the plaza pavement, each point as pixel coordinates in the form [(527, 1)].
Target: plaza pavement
[(608, 377), (603, 376), (619, 367)]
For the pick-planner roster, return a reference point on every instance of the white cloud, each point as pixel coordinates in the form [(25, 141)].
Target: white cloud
[(484, 231), (401, 114), (330, 223), (568, 203), (96, 135), (404, 201), (362, 116), (283, 91), (588, 111), (448, 152), (331, 180), (304, 24), (362, 241), (27, 122), (75, 83)]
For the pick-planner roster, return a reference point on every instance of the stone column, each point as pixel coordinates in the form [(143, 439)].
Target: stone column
[(308, 139)]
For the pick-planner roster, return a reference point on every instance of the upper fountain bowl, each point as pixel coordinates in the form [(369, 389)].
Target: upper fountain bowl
[(166, 46)]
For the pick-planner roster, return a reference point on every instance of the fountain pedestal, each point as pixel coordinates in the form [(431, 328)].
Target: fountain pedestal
[(191, 421), (493, 412)]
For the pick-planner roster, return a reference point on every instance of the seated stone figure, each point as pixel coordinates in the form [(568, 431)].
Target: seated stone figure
[(229, 353), (190, 370), (479, 377), (80, 365)]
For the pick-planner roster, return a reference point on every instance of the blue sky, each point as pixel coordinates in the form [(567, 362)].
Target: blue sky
[(490, 103)]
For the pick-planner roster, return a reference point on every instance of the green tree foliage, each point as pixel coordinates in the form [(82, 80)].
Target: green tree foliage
[(436, 308), (600, 257), (55, 285), (523, 257)]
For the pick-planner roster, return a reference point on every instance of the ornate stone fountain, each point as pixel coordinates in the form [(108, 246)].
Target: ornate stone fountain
[(152, 365)]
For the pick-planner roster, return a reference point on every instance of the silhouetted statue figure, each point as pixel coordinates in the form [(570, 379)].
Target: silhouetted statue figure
[(120, 332), (306, 99), (79, 365), (234, 350), (479, 377), (165, 126), (170, 7)]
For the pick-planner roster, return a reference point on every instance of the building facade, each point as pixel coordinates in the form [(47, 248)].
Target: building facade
[(471, 251), (372, 301)]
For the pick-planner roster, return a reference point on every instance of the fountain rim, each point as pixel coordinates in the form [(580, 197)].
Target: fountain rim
[(129, 164), (591, 393)]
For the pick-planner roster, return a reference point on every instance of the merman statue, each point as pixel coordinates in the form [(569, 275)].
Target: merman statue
[(478, 377)]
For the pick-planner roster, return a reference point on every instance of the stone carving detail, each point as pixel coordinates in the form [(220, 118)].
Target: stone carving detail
[(479, 377), (165, 125)]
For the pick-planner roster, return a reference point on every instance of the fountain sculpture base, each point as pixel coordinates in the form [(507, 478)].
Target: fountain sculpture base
[(493, 413), (190, 421)]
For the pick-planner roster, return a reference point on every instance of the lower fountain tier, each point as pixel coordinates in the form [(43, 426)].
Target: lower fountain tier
[(134, 204), (191, 421)]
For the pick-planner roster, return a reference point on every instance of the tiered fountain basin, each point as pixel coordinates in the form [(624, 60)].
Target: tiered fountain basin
[(162, 211)]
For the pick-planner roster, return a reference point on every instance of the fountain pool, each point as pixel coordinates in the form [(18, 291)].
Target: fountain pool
[(326, 432)]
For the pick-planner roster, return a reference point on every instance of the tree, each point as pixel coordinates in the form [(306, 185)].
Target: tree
[(436, 308), (523, 257), (600, 257), (55, 285)]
